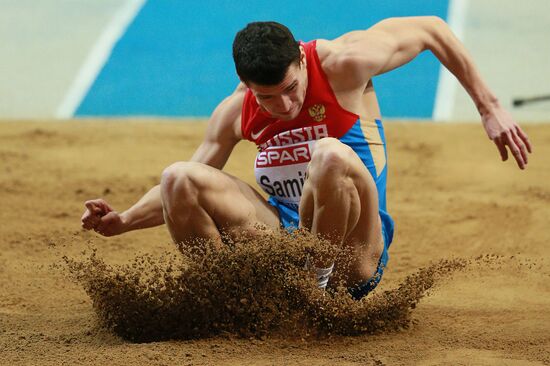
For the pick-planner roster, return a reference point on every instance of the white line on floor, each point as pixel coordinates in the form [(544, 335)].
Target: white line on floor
[(97, 58), (447, 86)]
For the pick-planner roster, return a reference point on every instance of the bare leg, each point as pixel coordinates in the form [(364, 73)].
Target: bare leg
[(340, 203), (201, 202)]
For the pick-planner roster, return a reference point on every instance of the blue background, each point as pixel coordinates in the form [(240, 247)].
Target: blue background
[(175, 57)]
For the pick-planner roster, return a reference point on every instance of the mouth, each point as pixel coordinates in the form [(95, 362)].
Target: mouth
[(288, 113)]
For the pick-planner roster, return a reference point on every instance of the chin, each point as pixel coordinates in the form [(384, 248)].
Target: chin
[(288, 117)]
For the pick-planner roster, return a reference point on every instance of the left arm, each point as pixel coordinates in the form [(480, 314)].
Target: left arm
[(396, 41)]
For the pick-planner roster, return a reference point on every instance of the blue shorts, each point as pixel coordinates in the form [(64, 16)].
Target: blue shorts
[(290, 220)]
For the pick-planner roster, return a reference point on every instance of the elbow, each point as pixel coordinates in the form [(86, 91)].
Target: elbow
[(439, 26), (437, 32), (425, 21), (436, 20)]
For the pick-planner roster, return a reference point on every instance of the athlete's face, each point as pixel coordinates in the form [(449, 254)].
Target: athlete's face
[(284, 100)]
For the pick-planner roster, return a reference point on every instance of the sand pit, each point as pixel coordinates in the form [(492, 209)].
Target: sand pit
[(451, 197)]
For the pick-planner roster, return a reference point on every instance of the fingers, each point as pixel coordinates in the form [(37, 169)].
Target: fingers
[(91, 217), (100, 224), (515, 150), (89, 221), (101, 228), (517, 142), (95, 209), (521, 145), (99, 204), (107, 225), (501, 148), (507, 135), (523, 136)]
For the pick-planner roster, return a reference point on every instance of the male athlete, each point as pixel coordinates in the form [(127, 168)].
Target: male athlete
[(312, 111)]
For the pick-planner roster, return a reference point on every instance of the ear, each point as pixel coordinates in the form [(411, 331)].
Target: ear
[(303, 59), (242, 82)]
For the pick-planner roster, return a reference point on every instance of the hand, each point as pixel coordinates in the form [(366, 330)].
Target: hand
[(100, 217), (505, 132)]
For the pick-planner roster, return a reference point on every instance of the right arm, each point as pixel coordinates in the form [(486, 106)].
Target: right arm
[(222, 134), (394, 42)]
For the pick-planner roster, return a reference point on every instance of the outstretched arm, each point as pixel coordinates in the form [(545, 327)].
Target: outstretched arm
[(222, 135), (102, 218), (394, 42)]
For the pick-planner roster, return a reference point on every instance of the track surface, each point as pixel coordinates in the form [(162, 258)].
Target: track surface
[(448, 192)]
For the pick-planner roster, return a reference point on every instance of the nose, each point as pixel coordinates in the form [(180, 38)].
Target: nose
[(284, 104)]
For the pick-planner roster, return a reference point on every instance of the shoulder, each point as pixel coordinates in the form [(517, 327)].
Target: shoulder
[(353, 49), (343, 66), (355, 57)]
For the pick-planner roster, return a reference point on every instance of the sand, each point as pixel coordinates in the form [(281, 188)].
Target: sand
[(451, 197)]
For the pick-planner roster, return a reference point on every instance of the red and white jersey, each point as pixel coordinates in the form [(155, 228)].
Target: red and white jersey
[(285, 147)]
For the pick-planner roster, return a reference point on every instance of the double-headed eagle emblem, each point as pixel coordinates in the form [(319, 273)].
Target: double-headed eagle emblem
[(317, 112)]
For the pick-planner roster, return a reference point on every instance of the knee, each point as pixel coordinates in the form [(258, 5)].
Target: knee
[(330, 159), (180, 175), (180, 184)]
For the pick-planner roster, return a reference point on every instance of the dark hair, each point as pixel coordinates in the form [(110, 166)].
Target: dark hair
[(263, 51)]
